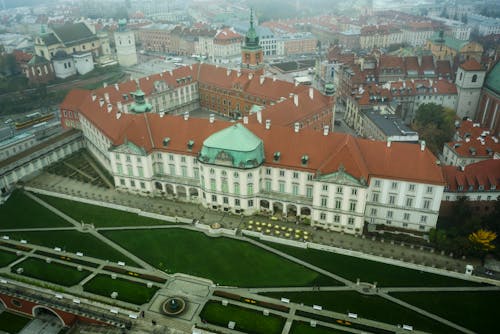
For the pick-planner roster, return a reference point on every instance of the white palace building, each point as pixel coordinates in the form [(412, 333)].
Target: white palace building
[(336, 181)]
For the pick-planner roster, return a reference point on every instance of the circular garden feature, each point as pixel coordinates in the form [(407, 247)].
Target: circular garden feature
[(173, 306)]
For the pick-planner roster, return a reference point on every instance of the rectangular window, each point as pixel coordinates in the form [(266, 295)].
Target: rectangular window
[(336, 218), (427, 203), (309, 192), (325, 187), (250, 189), (394, 185), (350, 221), (282, 173), (406, 216), (139, 160), (143, 185), (309, 177), (295, 189), (212, 185), (281, 187), (373, 212), (214, 198), (196, 173), (183, 159), (352, 206), (430, 189), (423, 219), (140, 170), (225, 186), (268, 171), (237, 202), (122, 182), (250, 203), (377, 183), (338, 203), (411, 187), (295, 175), (375, 197), (339, 190), (409, 201), (171, 157), (267, 185), (322, 216), (225, 200), (129, 170), (392, 199), (237, 188), (324, 201), (128, 158), (119, 168), (389, 214), (354, 191), (132, 183)]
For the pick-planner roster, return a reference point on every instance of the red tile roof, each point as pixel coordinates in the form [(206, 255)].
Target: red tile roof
[(484, 174), (471, 65), (474, 141), (227, 34)]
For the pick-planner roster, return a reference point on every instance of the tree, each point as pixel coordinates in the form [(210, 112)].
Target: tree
[(435, 125), (481, 241)]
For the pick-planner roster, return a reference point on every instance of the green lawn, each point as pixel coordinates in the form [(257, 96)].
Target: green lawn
[(225, 261), (20, 211), (99, 216), (300, 327), (6, 258), (51, 272), (128, 291), (385, 275), (368, 307), (12, 323), (73, 241), (247, 320), (477, 311)]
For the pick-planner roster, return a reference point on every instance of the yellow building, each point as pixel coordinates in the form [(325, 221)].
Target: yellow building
[(449, 48)]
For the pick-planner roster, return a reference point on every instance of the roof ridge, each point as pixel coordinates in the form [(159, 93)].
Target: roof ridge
[(149, 130)]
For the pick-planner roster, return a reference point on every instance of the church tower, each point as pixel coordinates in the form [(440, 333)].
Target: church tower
[(125, 45), (252, 58)]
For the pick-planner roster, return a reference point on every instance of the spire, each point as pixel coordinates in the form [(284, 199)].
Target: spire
[(251, 18)]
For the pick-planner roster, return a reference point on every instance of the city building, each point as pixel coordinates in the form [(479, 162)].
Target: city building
[(417, 33), (488, 112), (247, 167), (445, 47), (226, 46), (471, 144), (155, 37), (380, 36), (469, 81), (39, 70), (484, 25), (252, 56), (126, 52), (477, 182), (381, 124)]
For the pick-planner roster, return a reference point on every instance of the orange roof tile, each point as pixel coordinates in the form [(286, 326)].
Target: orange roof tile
[(471, 65), (484, 174)]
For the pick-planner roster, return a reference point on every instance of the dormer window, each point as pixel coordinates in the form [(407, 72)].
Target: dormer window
[(304, 159), (166, 141), (190, 145), (277, 156)]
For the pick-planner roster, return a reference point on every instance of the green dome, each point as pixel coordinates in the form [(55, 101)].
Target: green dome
[(251, 38), (235, 146)]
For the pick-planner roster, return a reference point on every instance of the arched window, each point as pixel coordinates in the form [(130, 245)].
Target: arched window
[(474, 78)]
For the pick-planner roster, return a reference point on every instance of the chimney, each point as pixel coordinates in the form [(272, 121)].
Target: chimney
[(147, 78), (162, 114), (311, 93), (296, 100), (296, 83), (119, 105), (274, 77), (212, 118), (117, 87), (118, 115), (110, 107), (125, 108), (259, 117), (268, 124), (228, 72), (326, 130), (101, 102), (105, 84), (186, 115), (296, 127), (93, 97), (106, 97), (245, 119), (238, 73), (261, 79), (250, 76), (388, 142), (422, 145)]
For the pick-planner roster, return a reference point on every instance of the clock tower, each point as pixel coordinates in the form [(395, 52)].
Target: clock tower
[(251, 52)]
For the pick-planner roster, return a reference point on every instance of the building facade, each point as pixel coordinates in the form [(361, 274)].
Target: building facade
[(126, 52)]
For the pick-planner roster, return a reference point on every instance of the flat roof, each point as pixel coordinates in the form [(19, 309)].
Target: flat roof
[(389, 124)]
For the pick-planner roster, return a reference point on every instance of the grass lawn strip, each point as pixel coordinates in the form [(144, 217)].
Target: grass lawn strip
[(6, 258), (247, 320), (385, 275), (73, 241), (225, 261), (367, 307), (12, 323), (300, 327), (20, 211), (128, 291), (99, 216), (475, 310), (51, 272)]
